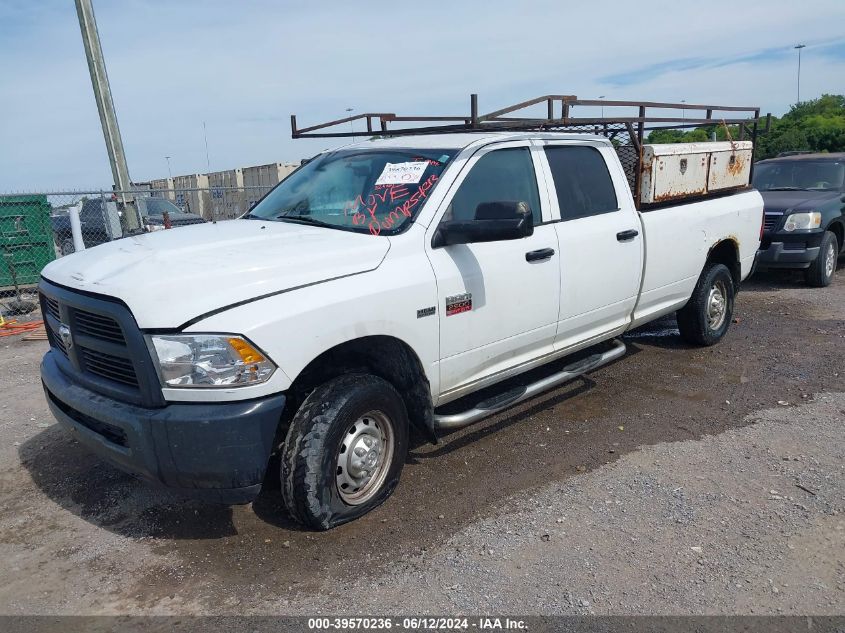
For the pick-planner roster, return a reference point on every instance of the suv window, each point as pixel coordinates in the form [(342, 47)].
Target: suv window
[(583, 184), (498, 176)]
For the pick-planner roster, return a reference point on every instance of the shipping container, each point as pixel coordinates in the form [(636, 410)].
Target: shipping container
[(162, 188), (141, 188), (227, 194), (258, 180), (192, 195)]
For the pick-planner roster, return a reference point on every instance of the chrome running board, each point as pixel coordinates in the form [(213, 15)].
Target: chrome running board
[(509, 398)]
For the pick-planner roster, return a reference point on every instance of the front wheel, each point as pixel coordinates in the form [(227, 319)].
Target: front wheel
[(707, 315), (820, 272), (344, 451)]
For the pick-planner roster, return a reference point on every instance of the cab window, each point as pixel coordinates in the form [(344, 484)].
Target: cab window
[(503, 175), (583, 184)]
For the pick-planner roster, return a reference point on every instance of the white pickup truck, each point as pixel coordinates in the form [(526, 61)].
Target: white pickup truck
[(374, 285)]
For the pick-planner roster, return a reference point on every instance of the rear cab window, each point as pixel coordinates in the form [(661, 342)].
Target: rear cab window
[(582, 181)]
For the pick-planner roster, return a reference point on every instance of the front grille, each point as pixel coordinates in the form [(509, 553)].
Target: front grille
[(111, 367), (52, 307), (770, 222), (56, 341), (98, 326), (105, 352)]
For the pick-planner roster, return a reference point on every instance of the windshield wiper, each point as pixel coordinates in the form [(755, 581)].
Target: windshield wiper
[(784, 189), (304, 219)]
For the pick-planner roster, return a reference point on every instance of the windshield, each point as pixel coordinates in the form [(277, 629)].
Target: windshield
[(377, 191), (799, 175), (157, 206)]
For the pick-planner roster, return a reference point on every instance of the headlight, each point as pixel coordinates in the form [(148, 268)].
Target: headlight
[(797, 221), (209, 360)]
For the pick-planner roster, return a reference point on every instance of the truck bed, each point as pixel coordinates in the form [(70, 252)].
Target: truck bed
[(678, 239)]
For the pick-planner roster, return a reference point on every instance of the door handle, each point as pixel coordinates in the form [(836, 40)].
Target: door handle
[(539, 255), (625, 236)]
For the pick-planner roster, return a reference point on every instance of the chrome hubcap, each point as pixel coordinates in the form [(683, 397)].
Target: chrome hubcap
[(829, 261), (717, 305), (364, 457)]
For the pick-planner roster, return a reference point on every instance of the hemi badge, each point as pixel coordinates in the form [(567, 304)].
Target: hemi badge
[(458, 303), (424, 312)]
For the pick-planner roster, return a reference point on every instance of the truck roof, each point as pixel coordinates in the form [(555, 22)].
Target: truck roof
[(832, 156), (462, 140)]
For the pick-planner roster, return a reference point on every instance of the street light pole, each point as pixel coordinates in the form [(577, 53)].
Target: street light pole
[(169, 173), (602, 107), (798, 48)]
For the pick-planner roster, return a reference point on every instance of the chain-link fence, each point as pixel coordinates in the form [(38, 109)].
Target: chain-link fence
[(36, 228)]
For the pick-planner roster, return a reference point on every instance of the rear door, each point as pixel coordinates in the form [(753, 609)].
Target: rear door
[(601, 245), (497, 301)]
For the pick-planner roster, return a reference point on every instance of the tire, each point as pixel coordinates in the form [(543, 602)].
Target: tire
[(345, 427), (820, 272), (67, 247), (707, 315)]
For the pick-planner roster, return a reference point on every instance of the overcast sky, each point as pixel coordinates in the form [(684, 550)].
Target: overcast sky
[(244, 67)]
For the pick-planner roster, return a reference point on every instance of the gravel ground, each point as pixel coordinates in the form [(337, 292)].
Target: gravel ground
[(750, 521), (669, 482)]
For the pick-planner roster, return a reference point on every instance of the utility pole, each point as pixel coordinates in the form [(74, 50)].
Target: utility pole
[(105, 105), (798, 48)]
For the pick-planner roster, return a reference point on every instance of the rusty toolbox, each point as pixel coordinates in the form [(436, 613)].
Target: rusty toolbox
[(673, 171)]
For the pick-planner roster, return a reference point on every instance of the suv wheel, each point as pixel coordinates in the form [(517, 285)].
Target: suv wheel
[(707, 315), (344, 451), (820, 272)]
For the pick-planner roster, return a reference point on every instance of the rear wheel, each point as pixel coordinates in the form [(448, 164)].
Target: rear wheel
[(820, 272), (707, 315), (344, 451)]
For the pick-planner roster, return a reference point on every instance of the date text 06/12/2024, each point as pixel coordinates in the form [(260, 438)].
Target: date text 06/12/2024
[(416, 623)]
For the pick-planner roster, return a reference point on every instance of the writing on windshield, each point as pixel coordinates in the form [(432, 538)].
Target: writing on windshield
[(379, 191)]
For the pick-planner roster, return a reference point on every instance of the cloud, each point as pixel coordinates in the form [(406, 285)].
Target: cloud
[(243, 68)]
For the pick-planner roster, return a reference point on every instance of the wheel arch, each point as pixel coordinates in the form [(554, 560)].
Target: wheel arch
[(384, 356), (837, 227), (726, 251)]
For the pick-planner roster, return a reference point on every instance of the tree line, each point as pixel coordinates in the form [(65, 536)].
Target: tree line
[(817, 125)]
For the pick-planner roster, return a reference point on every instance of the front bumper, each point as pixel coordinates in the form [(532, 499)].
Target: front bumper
[(215, 451), (793, 251)]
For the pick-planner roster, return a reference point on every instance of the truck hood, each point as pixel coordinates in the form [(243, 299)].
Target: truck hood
[(783, 201), (168, 278)]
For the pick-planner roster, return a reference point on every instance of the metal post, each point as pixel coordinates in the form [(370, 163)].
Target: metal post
[(799, 47), (351, 127), (105, 105), (76, 229)]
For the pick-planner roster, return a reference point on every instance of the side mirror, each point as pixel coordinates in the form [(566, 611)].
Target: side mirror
[(494, 222)]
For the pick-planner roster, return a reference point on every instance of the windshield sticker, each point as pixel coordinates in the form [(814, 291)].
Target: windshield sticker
[(401, 173)]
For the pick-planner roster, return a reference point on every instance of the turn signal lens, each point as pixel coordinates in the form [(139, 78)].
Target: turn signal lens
[(246, 351)]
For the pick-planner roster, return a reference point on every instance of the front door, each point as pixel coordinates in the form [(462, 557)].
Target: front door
[(497, 301)]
